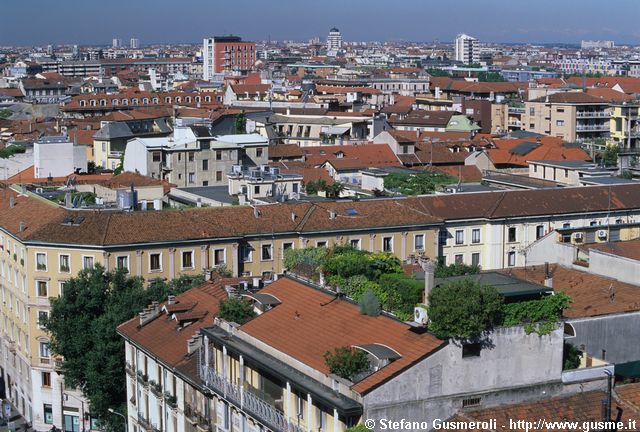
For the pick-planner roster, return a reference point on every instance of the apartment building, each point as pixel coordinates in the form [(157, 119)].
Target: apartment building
[(467, 50), (572, 116), (270, 374), (227, 54), (44, 245), (264, 183), (193, 156), (625, 125)]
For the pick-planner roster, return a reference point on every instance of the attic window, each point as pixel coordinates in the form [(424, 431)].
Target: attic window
[(471, 402), (351, 212), (471, 350)]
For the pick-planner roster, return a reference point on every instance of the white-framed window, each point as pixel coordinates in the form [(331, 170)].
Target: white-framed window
[(187, 259), (539, 231), (42, 288), (266, 252), (459, 259), (41, 261), (246, 253), (387, 244), (64, 263), (459, 237), (287, 245), (512, 235), (155, 262), (355, 243), (321, 243), (122, 262), (219, 256), (45, 350), (475, 259), (87, 262), (61, 285), (475, 235), (418, 242), (511, 259)]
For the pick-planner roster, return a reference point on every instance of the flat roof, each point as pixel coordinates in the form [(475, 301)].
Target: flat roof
[(507, 285)]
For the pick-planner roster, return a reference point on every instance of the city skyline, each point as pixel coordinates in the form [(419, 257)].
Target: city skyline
[(567, 22)]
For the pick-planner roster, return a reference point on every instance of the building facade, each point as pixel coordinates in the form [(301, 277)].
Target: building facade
[(227, 54), (467, 49)]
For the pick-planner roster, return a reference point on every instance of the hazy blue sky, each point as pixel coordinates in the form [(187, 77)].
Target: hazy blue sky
[(42, 22)]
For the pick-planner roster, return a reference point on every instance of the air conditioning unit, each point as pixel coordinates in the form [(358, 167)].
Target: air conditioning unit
[(420, 315), (578, 236), (602, 234), (39, 190)]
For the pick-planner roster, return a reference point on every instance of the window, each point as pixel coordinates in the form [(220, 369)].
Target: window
[(267, 252), (593, 223), (387, 244), (246, 252), (459, 237), (511, 259), (42, 288), (560, 110), (539, 231), (192, 178), (205, 164), (122, 263), (187, 259), (459, 259), (532, 111), (355, 243), (61, 285), (48, 414), (559, 122), (475, 259), (218, 155), (475, 235), (45, 351), (512, 234), (41, 261), (156, 156), (155, 263), (287, 246), (258, 152), (219, 257), (42, 315), (418, 242), (218, 176), (566, 225), (46, 379), (65, 266), (192, 156), (321, 244), (471, 350), (256, 189), (87, 262)]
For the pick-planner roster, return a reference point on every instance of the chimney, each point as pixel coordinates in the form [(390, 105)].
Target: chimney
[(171, 299), (293, 217), (193, 343), (548, 277), (429, 268), (67, 200), (23, 226), (256, 212), (12, 201), (332, 214), (149, 313)]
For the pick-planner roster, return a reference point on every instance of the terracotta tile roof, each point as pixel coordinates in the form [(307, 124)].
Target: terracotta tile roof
[(629, 394), (81, 136), (163, 338), (609, 95), (252, 89), (570, 98), (368, 155), (328, 89), (424, 118), (292, 328), (581, 407), (33, 213), (285, 151), (544, 148), (592, 295), (465, 173), (126, 179), (462, 86), (628, 249), (28, 176)]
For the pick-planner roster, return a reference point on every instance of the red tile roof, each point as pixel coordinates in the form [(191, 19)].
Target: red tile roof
[(292, 328), (366, 155), (546, 148)]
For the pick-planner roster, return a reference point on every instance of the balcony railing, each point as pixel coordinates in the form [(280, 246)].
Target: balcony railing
[(602, 127), (590, 114), (143, 422), (248, 402)]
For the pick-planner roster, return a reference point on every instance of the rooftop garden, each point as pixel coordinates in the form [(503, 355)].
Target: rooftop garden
[(416, 184), (11, 150), (461, 309)]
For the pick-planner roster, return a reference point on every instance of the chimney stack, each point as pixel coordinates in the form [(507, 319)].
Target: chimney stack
[(429, 268), (193, 343), (23, 226), (171, 299), (12, 202), (67, 200)]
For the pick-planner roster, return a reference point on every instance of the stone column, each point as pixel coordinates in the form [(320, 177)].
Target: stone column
[(372, 239), (139, 263), (105, 257), (403, 253), (204, 257), (235, 257), (310, 421), (172, 263)]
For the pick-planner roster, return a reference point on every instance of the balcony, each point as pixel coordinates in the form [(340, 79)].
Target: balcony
[(143, 422), (249, 402), (592, 128), (130, 370), (592, 114)]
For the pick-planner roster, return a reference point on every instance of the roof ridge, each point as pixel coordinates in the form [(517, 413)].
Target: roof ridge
[(306, 217), (106, 230), (496, 205)]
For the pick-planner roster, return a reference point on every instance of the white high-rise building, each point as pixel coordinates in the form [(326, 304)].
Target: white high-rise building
[(334, 40), (116, 43), (467, 50), (134, 43), (599, 44)]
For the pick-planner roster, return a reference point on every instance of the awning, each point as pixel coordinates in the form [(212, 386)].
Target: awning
[(337, 130)]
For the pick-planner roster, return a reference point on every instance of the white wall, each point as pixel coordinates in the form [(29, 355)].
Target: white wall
[(58, 159), (135, 157)]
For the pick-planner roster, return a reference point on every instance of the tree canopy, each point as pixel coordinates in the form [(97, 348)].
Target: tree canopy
[(347, 362), (236, 310), (82, 329)]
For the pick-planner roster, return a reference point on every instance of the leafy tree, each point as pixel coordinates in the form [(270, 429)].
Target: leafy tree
[(236, 310), (463, 309), (369, 304), (490, 77), (5, 113), (537, 315), (120, 168), (438, 72), (11, 150), (312, 257), (415, 184), (346, 262), (313, 187), (240, 124), (82, 329), (404, 293), (334, 190), (610, 155), (571, 357), (346, 362)]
